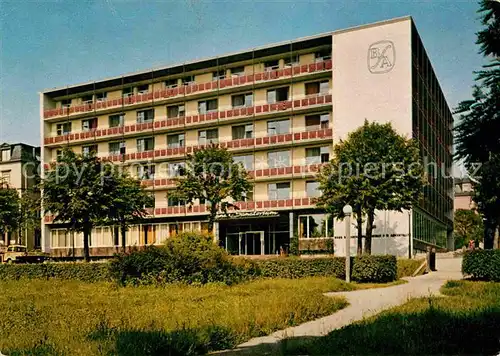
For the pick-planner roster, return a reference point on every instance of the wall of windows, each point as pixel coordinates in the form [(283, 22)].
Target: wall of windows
[(429, 230)]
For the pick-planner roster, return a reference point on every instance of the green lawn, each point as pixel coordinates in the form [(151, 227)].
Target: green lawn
[(54, 317), (465, 322)]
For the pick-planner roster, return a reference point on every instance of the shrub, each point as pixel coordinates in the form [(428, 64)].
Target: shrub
[(85, 272), (187, 258), (482, 264), (406, 266), (376, 269), (302, 267)]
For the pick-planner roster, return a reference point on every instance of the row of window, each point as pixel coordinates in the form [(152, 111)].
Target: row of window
[(238, 71)]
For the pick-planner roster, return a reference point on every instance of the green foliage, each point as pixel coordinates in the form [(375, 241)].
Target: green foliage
[(9, 209), (482, 264), (375, 168), (293, 267), (294, 246), (188, 258), (379, 269), (407, 267), (211, 175), (85, 272), (468, 226), (489, 37)]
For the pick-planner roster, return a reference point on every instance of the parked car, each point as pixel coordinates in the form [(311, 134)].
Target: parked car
[(20, 254)]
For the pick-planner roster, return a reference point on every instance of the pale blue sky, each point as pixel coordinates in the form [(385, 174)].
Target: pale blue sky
[(47, 44)]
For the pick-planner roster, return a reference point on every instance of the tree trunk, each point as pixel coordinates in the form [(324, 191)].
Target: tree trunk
[(86, 247), (489, 234), (123, 230), (211, 218), (369, 231), (359, 222)]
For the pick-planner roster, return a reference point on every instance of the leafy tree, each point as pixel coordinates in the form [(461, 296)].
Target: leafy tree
[(468, 226), (373, 169), (30, 211), (212, 176), (76, 192), (9, 209)]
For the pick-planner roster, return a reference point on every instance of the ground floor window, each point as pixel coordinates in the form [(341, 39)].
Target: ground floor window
[(315, 226), (427, 229)]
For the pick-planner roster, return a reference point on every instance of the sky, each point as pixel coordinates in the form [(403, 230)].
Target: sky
[(46, 44)]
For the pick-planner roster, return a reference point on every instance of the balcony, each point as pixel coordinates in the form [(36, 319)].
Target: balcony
[(190, 89)]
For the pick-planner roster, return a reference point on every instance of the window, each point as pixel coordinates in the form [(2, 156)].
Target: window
[(242, 131), (219, 75), (171, 83), (317, 122), (175, 141), (126, 92), (315, 226), (277, 191), (89, 149), (173, 201), (271, 65), (175, 111), (101, 96), (89, 124), (176, 169), (145, 144), (116, 148), (323, 55), (278, 159), (143, 89), (65, 103), (116, 120), (316, 88), (277, 95), (208, 136), (207, 106), (146, 171), (312, 189), (188, 80), (292, 61), (59, 154), (242, 100), (278, 127), (145, 116), (238, 71), (246, 161), (248, 196), (88, 99), (63, 129), (5, 178), (315, 155), (6, 155)]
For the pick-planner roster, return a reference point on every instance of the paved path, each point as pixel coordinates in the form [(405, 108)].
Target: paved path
[(364, 303)]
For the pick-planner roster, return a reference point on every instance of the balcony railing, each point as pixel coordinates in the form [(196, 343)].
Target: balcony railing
[(191, 88)]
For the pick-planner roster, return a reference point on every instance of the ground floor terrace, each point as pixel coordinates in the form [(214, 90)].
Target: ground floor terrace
[(259, 233)]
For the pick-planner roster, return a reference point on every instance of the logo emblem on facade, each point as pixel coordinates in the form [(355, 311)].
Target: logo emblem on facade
[(381, 57)]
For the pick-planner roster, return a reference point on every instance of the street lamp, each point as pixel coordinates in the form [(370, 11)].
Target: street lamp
[(347, 213)]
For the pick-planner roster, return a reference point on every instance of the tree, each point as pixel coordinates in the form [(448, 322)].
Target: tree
[(212, 176), (373, 169), (468, 226), (76, 192), (30, 211), (9, 209), (129, 204)]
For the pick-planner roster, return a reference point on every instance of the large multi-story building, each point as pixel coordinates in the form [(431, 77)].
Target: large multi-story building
[(279, 109), (19, 164)]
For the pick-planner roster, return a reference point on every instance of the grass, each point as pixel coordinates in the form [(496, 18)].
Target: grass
[(54, 317), (466, 322), (406, 267)]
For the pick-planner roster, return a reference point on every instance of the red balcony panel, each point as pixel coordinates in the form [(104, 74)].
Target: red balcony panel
[(132, 156), (274, 171), (258, 109), (229, 113), (303, 68), (328, 64), (312, 101), (236, 81), (321, 134), (305, 201), (320, 66), (251, 174), (287, 72), (298, 202), (52, 140), (328, 98), (157, 153), (313, 134), (288, 170), (321, 99), (230, 144), (163, 152), (236, 112), (196, 118), (115, 130), (250, 78), (98, 132), (271, 203), (266, 172), (46, 140), (329, 132), (273, 107), (296, 169), (266, 140), (243, 80), (281, 203), (312, 67), (169, 152), (258, 173), (281, 138), (157, 124), (281, 171), (188, 89), (265, 76), (182, 150), (250, 110), (150, 125), (215, 115), (280, 73), (258, 76), (265, 108), (259, 205), (305, 102), (273, 74), (258, 141), (296, 70), (289, 202), (127, 157), (127, 128), (273, 139)]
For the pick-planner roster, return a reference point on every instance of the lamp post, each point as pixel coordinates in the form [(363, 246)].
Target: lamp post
[(347, 213)]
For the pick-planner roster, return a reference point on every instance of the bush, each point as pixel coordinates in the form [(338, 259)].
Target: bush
[(376, 269), (85, 272), (482, 264), (188, 258), (406, 266), (292, 267)]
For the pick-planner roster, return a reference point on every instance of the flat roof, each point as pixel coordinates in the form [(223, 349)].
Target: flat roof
[(178, 68)]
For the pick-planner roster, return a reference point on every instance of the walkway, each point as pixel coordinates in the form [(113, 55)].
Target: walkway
[(365, 303)]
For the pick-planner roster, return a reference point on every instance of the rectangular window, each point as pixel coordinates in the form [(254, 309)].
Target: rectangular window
[(116, 148), (246, 161), (271, 65), (323, 55), (6, 155), (143, 89), (144, 116), (175, 140), (175, 111), (278, 159), (278, 127), (146, 171), (277, 95), (242, 100), (188, 80), (59, 154), (63, 129), (242, 131), (219, 75), (101, 96), (176, 169), (116, 120), (171, 83), (312, 189), (317, 122), (292, 61), (208, 136), (315, 226), (126, 92), (5, 178), (145, 144), (238, 71), (87, 99), (65, 103), (175, 202), (278, 191), (89, 124), (207, 106), (316, 155), (316, 88), (87, 150)]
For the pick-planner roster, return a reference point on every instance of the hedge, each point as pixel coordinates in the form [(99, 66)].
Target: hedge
[(86, 272), (377, 269), (295, 267), (482, 264)]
